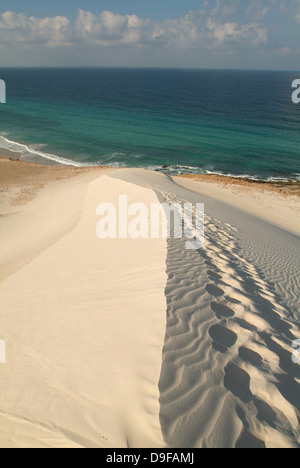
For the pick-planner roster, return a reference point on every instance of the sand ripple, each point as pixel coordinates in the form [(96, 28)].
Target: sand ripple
[(227, 378)]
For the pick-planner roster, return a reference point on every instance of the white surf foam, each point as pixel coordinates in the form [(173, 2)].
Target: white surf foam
[(26, 150)]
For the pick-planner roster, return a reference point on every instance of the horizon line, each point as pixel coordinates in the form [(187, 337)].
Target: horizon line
[(120, 67)]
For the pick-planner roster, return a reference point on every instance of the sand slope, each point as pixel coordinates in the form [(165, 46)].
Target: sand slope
[(281, 209), (84, 324), (227, 377), (86, 321)]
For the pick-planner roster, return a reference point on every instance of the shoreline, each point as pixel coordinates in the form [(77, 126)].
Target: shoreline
[(284, 187), (7, 154)]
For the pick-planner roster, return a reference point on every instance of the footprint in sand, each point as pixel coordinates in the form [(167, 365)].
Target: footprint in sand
[(246, 325), (237, 381), (232, 300), (223, 337), (214, 276), (214, 290), (264, 412), (250, 356), (212, 267), (221, 310)]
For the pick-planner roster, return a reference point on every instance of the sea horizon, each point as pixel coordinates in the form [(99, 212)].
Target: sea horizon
[(120, 67)]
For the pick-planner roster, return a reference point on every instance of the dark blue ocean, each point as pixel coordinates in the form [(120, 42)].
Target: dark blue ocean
[(241, 123)]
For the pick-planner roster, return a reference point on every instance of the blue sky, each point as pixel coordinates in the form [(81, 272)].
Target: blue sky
[(254, 34)]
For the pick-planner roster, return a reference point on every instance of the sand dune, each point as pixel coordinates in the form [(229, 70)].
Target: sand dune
[(84, 324), (142, 343)]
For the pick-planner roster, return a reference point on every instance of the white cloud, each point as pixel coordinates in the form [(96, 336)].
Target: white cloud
[(109, 28), (232, 34), (17, 28), (205, 29), (230, 25)]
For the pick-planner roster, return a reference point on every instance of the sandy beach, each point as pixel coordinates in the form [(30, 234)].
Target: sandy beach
[(139, 342)]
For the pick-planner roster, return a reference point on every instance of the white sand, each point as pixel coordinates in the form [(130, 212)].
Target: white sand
[(281, 211), (84, 325), (227, 378), (84, 321)]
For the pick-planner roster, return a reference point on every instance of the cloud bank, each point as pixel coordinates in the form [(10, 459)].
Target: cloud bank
[(228, 27)]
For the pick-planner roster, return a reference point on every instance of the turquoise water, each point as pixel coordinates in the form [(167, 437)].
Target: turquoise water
[(229, 122)]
